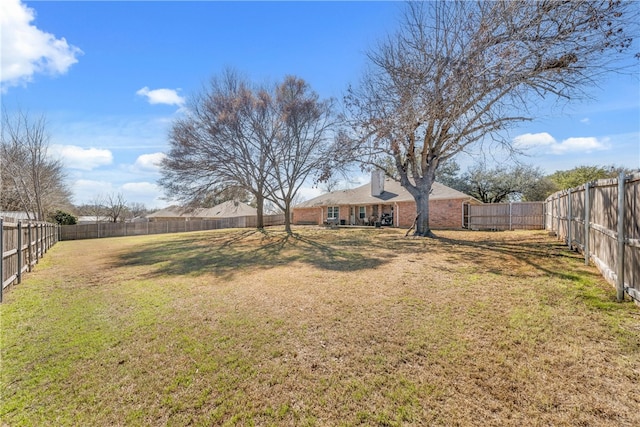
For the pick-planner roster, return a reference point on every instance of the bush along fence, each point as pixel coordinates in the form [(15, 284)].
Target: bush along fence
[(601, 219), (22, 244), (505, 216), (120, 229)]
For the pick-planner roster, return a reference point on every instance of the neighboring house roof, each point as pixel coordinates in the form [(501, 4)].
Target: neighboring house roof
[(393, 192), (84, 219), (227, 209), (17, 215)]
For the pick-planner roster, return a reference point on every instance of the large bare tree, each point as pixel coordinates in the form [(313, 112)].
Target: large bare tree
[(302, 146), (221, 143), (458, 73), (30, 179), (115, 206), (264, 140)]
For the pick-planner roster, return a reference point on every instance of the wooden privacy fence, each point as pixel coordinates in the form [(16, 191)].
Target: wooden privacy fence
[(119, 229), (601, 219), (505, 216), (22, 244)]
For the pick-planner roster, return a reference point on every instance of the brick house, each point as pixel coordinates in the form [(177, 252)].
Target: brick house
[(384, 201)]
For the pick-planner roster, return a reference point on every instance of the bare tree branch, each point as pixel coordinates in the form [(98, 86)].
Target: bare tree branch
[(263, 140), (31, 181), (457, 73)]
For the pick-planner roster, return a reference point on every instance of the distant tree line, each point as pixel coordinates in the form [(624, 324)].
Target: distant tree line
[(519, 182)]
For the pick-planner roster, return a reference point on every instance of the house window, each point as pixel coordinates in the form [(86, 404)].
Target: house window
[(363, 212), (333, 212)]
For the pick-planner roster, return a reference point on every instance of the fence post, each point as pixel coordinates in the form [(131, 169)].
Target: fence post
[(620, 253), (30, 245), (37, 242), (1, 258), (510, 220), (19, 252), (558, 218), (569, 215), (587, 225)]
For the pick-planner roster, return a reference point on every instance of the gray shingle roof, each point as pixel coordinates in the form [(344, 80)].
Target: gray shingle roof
[(227, 209), (393, 192)]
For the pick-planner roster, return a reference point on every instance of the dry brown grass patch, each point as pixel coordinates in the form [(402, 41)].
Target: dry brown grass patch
[(328, 327)]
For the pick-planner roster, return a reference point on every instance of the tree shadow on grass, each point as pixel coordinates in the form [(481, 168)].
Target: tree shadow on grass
[(544, 257), (224, 254)]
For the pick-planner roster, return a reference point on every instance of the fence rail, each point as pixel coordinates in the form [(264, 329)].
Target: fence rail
[(601, 219), (22, 244), (505, 216), (119, 229)]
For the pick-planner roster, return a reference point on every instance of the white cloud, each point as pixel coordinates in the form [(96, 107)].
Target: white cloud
[(27, 50), (569, 145), (149, 162), (534, 140), (580, 145), (162, 96), (586, 121), (75, 157)]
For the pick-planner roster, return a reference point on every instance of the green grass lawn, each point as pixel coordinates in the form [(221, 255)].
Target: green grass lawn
[(328, 327)]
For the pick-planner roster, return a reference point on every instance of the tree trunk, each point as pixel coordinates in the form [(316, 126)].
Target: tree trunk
[(422, 212), (421, 195), (260, 211), (287, 218)]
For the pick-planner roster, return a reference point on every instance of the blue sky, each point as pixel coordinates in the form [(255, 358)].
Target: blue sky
[(111, 76)]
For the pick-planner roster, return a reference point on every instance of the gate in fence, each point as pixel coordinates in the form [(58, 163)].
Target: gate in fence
[(22, 244), (504, 216), (602, 220)]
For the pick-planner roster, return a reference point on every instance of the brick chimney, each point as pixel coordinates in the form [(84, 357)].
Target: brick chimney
[(377, 182)]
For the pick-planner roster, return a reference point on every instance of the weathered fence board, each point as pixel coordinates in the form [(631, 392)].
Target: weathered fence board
[(506, 216), (120, 229), (601, 219), (22, 244)]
